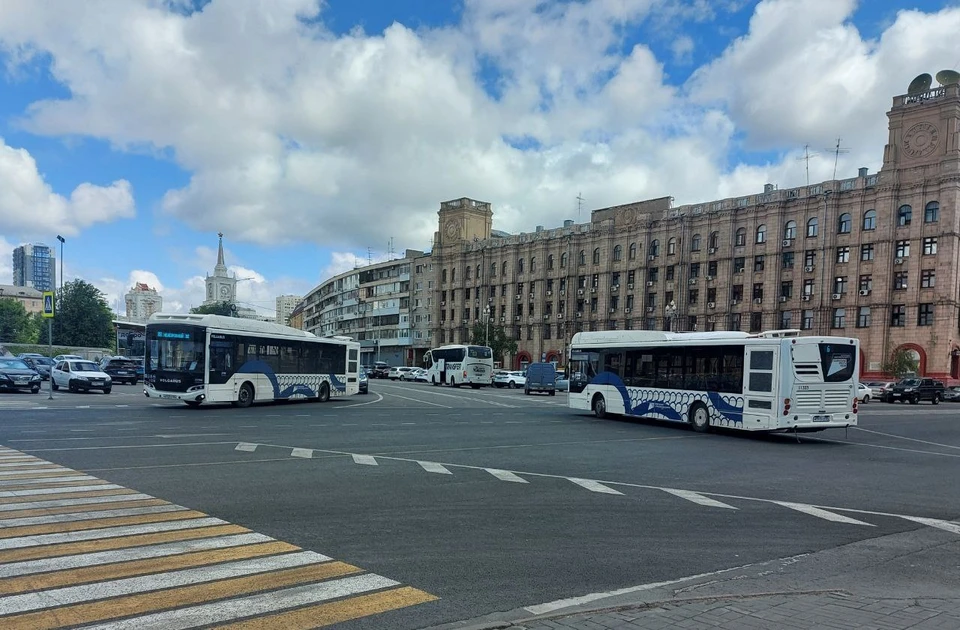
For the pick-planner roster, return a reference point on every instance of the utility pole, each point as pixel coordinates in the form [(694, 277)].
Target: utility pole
[(49, 310)]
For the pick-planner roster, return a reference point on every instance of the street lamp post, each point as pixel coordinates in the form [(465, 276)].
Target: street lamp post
[(486, 336), (62, 241), (670, 310)]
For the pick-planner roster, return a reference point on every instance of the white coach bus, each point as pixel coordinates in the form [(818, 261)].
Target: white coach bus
[(458, 365), (772, 381), (211, 358)]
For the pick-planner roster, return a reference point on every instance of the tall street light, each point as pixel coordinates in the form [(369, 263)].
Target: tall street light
[(62, 241), (486, 337)]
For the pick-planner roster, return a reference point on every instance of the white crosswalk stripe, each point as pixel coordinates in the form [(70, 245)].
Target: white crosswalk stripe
[(434, 467), (697, 498), (821, 513), (505, 475), (594, 486)]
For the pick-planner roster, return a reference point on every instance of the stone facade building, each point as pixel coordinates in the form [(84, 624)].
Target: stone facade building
[(876, 256), (142, 302)]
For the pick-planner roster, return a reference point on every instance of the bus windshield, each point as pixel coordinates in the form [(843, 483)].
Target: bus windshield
[(175, 351)]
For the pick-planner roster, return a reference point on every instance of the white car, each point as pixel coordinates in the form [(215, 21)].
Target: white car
[(397, 373), (423, 376), (413, 374), (510, 379), (68, 357), (80, 376), (864, 393)]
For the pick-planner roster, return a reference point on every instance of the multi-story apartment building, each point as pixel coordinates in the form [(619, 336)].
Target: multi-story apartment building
[(876, 256), (285, 306), (35, 266), (380, 305), (142, 302)]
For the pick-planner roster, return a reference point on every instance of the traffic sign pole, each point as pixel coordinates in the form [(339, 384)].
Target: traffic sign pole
[(49, 312)]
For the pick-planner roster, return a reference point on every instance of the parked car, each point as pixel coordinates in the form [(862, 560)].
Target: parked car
[(397, 373), (913, 390), (67, 357), (952, 394), (364, 382), (541, 377), (380, 370), (412, 374), (30, 355), (423, 376), (15, 374), (41, 364), (563, 383), (864, 393), (509, 379), (880, 388), (120, 369), (80, 376)]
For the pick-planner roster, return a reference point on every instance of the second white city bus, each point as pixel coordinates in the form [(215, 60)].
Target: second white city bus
[(458, 365), (772, 381)]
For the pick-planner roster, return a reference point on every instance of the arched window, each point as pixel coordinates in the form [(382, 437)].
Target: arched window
[(813, 227), (844, 223), (714, 240), (478, 272), (695, 243), (582, 260), (466, 272), (503, 268), (563, 261), (617, 253), (672, 246), (870, 220), (761, 233), (596, 256), (632, 252), (931, 213), (520, 265), (493, 270), (533, 264), (550, 262), (453, 274), (655, 247), (904, 215), (741, 238), (790, 231)]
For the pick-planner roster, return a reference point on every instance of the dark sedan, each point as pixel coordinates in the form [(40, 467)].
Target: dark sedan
[(952, 394), (15, 375), (121, 370), (42, 365)]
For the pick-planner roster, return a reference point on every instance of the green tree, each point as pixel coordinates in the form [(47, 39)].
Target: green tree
[(16, 325), (217, 308), (499, 341), (84, 318), (900, 363)]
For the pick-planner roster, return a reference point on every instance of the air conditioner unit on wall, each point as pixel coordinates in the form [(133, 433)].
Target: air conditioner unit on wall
[(864, 291)]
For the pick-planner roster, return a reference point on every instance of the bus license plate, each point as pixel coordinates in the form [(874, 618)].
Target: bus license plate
[(168, 396), (821, 418)]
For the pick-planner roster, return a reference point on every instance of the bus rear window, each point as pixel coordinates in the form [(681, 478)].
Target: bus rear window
[(479, 352), (838, 362)]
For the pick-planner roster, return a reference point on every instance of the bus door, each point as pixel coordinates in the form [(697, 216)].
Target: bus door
[(442, 369), (759, 391)]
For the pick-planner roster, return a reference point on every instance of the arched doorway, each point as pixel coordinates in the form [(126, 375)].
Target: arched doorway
[(955, 363), (553, 356), (918, 355), (522, 360)]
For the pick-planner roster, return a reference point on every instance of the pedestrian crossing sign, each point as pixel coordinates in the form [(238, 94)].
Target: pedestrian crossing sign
[(48, 304)]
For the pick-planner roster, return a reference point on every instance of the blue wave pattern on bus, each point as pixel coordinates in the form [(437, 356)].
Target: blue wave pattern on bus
[(290, 388), (671, 405)]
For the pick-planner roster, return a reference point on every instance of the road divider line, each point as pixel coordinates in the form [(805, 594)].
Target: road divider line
[(433, 467), (246, 447), (417, 400), (505, 475), (306, 453), (366, 460), (821, 513), (699, 499), (594, 486), (946, 526)]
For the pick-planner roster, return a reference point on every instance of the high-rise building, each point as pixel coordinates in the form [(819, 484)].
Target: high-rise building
[(285, 306), (222, 285), (142, 302), (35, 266)]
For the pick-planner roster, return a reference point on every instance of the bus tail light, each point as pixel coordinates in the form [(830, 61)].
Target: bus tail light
[(786, 406), (856, 404), (464, 374)]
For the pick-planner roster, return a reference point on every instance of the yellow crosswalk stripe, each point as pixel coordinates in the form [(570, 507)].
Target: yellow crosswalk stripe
[(66, 495), (75, 526), (71, 509), (336, 612)]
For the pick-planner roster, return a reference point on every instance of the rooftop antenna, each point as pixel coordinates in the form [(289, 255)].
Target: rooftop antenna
[(580, 201), (806, 158), (369, 256), (948, 77), (837, 150)]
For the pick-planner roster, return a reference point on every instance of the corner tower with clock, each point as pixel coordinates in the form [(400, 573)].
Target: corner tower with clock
[(924, 131), (221, 286), (463, 219)]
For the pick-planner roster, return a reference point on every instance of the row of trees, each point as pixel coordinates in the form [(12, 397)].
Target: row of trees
[(83, 319)]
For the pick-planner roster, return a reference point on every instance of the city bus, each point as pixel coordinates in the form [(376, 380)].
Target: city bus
[(458, 365), (216, 359), (771, 381)]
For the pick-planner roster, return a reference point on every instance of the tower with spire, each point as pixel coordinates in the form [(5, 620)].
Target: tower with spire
[(221, 286)]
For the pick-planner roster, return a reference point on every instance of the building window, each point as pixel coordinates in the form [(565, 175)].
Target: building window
[(786, 289), (928, 278), (595, 281), (739, 264), (653, 274), (563, 261), (691, 322), (617, 253), (866, 283), (655, 247), (758, 263), (453, 274), (870, 220), (467, 272), (903, 249), (672, 247), (813, 227), (631, 276), (761, 234), (549, 262), (546, 331), (582, 259), (741, 238), (839, 318), (756, 322), (786, 260), (652, 300), (712, 295), (843, 254), (695, 243), (930, 246), (714, 240), (844, 223), (694, 270), (503, 269), (596, 256), (443, 276), (808, 287), (735, 321), (520, 265), (632, 252), (807, 321), (671, 272), (866, 252), (786, 320), (925, 315), (712, 269), (533, 264), (736, 293), (898, 315), (904, 215), (863, 317), (931, 213), (900, 280), (790, 231), (840, 284), (693, 296), (758, 291)]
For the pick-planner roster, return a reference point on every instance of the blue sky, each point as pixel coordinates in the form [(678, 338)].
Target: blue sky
[(332, 131)]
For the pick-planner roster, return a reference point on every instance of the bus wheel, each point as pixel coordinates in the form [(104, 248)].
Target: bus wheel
[(599, 406), (324, 394), (699, 418), (192, 403), (244, 396), (474, 385)]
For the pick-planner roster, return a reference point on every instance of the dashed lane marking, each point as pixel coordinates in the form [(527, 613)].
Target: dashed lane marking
[(506, 475), (306, 453), (697, 498), (594, 486), (365, 460), (821, 513), (104, 556), (434, 467)]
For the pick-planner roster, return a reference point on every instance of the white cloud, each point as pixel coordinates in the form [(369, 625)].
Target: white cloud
[(682, 48), (28, 205), (6, 260)]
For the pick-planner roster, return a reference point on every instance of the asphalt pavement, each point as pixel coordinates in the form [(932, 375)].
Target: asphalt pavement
[(470, 507)]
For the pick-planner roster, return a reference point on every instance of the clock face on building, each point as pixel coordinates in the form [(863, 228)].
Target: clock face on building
[(452, 228), (224, 291), (921, 139)]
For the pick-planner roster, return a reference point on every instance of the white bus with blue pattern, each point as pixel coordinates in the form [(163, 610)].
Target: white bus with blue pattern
[(216, 359), (771, 381)]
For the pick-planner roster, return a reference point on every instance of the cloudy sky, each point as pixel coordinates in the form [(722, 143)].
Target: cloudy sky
[(313, 132)]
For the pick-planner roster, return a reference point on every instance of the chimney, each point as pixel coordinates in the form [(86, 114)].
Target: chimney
[(768, 188), (862, 172), (568, 223)]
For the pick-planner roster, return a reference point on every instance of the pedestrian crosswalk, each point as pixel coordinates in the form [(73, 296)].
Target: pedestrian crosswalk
[(77, 550)]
